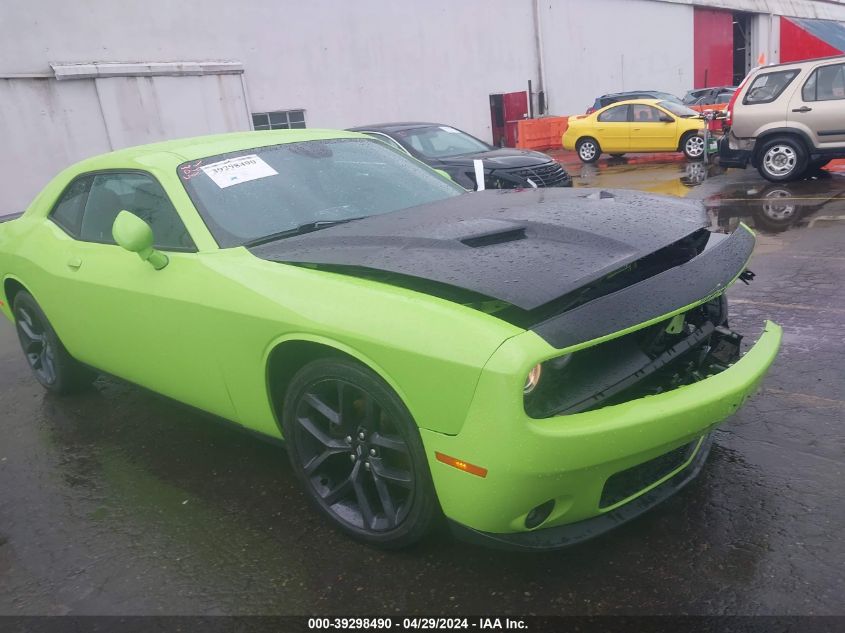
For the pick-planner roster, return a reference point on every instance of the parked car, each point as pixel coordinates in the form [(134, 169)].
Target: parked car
[(709, 96), (787, 120), (642, 125), (448, 148), (608, 99), (537, 365)]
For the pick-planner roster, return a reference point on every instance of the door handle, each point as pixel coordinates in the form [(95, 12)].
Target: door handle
[(802, 109), (74, 263)]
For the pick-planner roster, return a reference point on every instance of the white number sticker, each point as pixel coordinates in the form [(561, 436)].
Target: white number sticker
[(234, 171)]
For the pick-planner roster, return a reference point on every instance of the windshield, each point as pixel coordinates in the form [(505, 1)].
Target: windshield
[(678, 109), (666, 96), (247, 195), (439, 141)]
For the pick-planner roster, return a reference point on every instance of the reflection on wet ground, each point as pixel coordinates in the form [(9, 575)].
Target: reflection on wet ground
[(120, 502), (671, 178), (731, 196), (774, 208)]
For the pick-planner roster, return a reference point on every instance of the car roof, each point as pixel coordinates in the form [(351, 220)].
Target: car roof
[(635, 102), (184, 149), (394, 127), (798, 62), (632, 92)]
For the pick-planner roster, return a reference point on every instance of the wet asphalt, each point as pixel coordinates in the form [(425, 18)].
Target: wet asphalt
[(118, 501)]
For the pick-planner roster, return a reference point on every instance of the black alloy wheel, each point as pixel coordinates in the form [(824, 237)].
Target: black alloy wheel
[(50, 362), (357, 451), (36, 345)]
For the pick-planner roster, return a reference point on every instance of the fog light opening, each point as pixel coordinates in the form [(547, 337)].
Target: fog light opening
[(539, 514)]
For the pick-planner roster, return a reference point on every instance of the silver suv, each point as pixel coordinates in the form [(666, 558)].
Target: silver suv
[(787, 120)]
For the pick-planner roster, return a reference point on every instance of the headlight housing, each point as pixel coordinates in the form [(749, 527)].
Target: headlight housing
[(533, 379)]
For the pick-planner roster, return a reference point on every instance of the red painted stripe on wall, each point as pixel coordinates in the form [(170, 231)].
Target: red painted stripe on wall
[(797, 44)]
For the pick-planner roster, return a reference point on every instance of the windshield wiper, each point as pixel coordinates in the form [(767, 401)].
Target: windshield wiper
[(308, 227)]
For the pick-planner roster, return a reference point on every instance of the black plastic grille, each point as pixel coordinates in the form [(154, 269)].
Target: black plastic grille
[(551, 175), (628, 482)]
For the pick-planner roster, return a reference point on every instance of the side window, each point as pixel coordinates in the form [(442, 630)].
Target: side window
[(645, 114), (767, 87), (140, 194), (68, 210), (614, 115), (825, 84)]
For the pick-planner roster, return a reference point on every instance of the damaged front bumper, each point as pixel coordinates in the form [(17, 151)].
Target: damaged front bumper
[(595, 469)]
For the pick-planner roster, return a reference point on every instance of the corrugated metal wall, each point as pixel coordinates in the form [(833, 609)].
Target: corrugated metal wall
[(47, 124)]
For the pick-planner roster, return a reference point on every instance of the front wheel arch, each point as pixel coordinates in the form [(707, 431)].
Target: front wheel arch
[(287, 355)]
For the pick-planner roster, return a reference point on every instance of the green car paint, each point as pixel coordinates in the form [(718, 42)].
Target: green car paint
[(203, 328)]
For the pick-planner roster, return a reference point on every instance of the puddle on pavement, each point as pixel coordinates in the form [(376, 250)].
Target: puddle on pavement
[(740, 196), (777, 207), (675, 178)]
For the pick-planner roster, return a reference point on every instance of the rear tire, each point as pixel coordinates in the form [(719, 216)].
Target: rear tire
[(782, 159), (588, 149), (52, 365), (357, 452)]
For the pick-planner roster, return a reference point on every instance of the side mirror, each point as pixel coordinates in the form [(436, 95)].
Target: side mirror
[(665, 118), (135, 235)]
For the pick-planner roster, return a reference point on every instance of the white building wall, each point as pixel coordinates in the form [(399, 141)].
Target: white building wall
[(346, 63), (47, 124), (601, 46)]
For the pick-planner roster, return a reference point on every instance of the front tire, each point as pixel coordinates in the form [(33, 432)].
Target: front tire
[(357, 451), (782, 159), (588, 149), (692, 145), (51, 364)]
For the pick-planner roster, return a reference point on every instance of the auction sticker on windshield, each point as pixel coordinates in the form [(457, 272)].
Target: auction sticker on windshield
[(234, 171)]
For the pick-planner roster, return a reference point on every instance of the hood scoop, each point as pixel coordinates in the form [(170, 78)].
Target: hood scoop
[(524, 248), (497, 237)]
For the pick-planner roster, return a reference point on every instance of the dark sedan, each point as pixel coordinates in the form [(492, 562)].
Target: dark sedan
[(605, 100), (453, 151), (709, 96)]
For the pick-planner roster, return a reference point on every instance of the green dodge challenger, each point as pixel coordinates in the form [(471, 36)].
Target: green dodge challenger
[(536, 366)]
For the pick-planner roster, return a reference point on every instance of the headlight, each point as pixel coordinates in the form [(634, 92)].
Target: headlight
[(533, 379)]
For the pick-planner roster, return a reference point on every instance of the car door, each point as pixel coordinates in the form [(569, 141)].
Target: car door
[(120, 314), (613, 129), (818, 107), (650, 132)]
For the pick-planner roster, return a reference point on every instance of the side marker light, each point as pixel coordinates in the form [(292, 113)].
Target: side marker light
[(461, 465)]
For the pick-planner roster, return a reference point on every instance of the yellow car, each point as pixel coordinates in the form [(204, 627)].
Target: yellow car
[(638, 125)]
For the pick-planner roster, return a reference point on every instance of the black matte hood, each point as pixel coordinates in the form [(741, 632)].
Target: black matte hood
[(526, 248), (504, 158)]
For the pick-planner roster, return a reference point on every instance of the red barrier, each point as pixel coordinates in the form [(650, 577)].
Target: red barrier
[(541, 133)]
